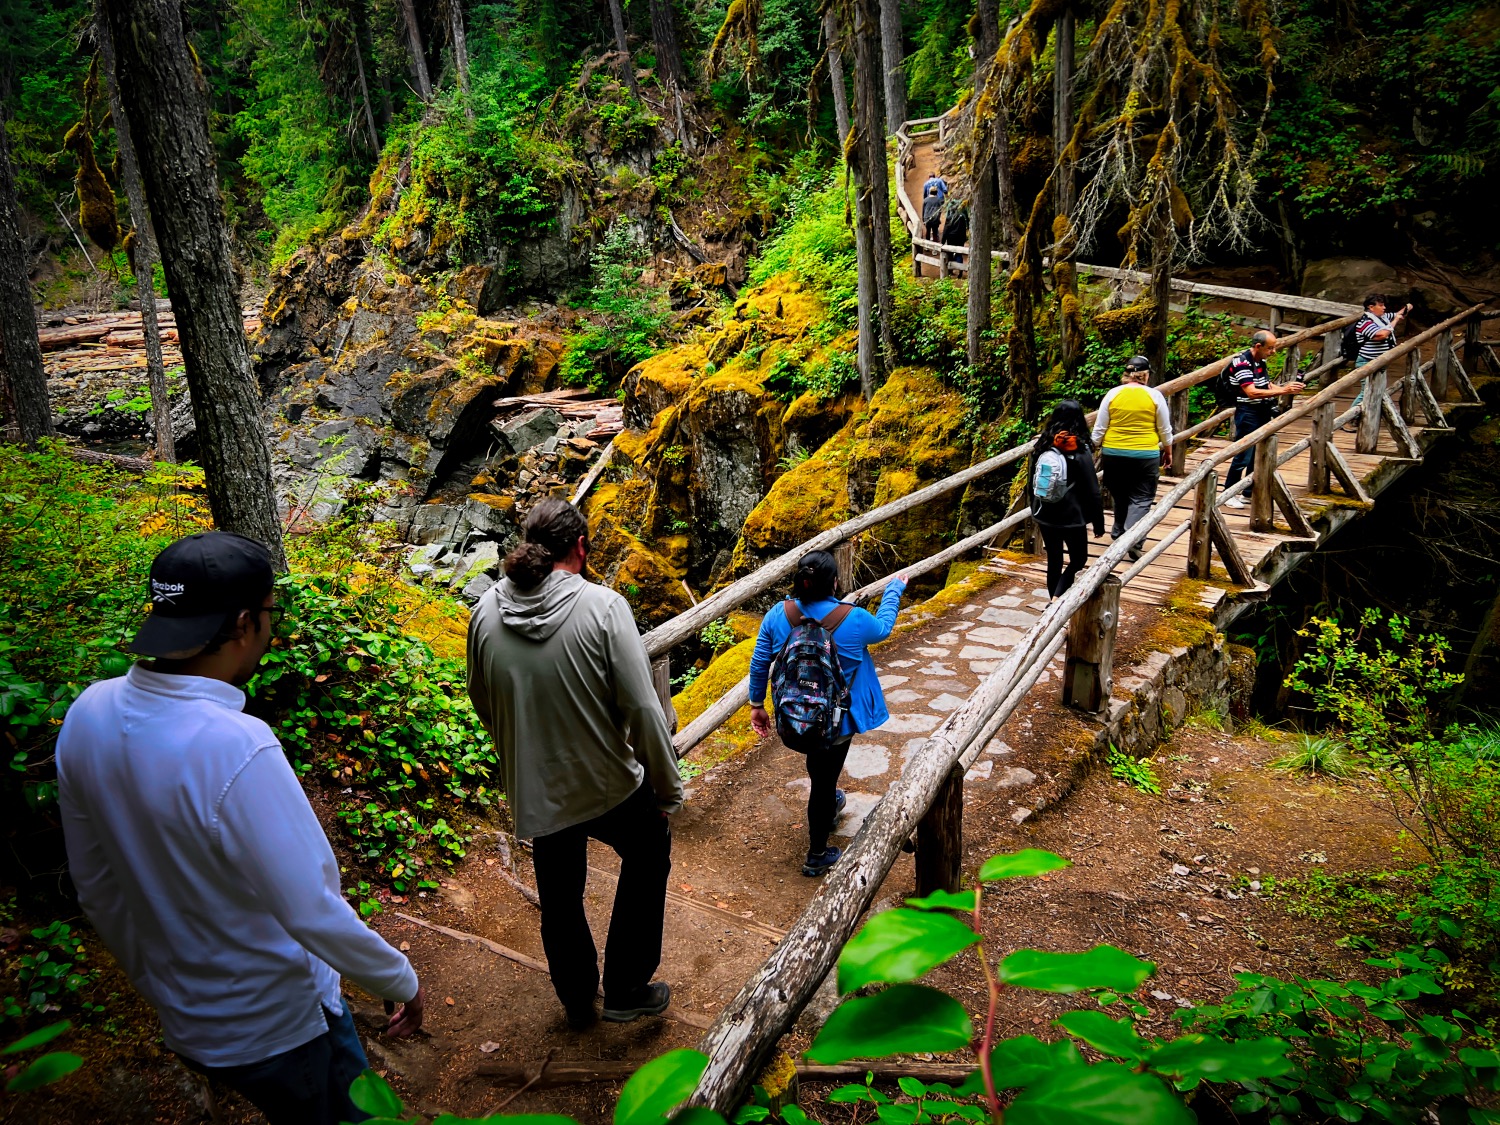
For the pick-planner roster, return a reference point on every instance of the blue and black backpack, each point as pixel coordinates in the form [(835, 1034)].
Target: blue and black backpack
[(808, 687)]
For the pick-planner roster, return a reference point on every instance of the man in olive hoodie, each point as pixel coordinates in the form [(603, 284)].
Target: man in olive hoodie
[(560, 679)]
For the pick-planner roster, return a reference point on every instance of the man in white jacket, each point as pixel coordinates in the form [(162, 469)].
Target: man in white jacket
[(199, 860)]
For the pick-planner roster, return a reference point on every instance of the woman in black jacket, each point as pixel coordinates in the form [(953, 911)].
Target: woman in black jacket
[(1064, 521)]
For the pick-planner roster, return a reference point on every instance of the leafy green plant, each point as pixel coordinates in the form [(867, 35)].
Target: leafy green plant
[(625, 320), (1138, 773), (1358, 1050), (717, 634), (1317, 755), (50, 975), (45, 1069)]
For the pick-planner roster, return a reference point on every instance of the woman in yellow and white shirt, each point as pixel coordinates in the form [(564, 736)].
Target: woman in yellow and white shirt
[(1134, 432)]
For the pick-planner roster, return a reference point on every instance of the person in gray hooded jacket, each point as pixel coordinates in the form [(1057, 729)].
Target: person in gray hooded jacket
[(560, 679)]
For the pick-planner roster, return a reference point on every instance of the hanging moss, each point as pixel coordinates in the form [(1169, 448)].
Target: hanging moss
[(1117, 325), (97, 206)]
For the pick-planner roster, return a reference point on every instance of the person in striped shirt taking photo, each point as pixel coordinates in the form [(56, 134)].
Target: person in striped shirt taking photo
[(1376, 334)]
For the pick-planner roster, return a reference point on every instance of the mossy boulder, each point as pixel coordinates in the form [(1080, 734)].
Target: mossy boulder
[(662, 381)]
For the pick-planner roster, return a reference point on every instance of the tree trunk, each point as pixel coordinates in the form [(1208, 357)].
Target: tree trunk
[(1005, 190), (876, 187), (1065, 286), (364, 92), (1154, 332), (143, 254), (836, 75), (893, 53), (668, 53), (26, 377), (418, 52), (617, 17), (460, 52), (989, 136), (981, 264), (163, 94)]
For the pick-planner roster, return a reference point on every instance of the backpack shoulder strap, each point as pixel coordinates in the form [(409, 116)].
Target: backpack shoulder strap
[(837, 617), (794, 614)]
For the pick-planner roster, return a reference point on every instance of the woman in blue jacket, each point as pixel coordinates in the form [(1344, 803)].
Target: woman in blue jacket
[(813, 589)]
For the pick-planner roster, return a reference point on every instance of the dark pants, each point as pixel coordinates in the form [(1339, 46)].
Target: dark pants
[(1076, 540), (1247, 419), (823, 769), (641, 836), (932, 226), (308, 1085), (1131, 483)]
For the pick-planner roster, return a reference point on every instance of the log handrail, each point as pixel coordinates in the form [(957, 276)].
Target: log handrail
[(750, 1025)]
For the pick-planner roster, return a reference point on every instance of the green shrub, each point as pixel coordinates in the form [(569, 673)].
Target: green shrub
[(1138, 773), (624, 320), (1317, 755), (50, 973)]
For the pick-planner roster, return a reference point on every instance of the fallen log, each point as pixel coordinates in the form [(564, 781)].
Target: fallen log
[(117, 460), (618, 1070)]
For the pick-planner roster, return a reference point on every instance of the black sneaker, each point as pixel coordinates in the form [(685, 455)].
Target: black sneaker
[(839, 801), (819, 863), (650, 1001), (581, 1019)]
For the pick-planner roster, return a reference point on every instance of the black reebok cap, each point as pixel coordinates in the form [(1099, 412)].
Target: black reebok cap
[(196, 583), (1137, 363)]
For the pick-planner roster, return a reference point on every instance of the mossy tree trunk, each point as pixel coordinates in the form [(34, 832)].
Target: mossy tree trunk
[(460, 42), (419, 71), (622, 46), (834, 39), (142, 246), (165, 96), (26, 378), (1065, 278), (893, 55), (875, 190), (982, 180)]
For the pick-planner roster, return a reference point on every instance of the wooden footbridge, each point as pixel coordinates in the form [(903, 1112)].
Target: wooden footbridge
[(1311, 476)]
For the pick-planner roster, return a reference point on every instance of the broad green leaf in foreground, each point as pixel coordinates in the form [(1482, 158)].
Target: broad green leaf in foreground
[(1107, 1036), (1107, 1093), (37, 1038), (1026, 1059), (901, 945), (1219, 1060), (47, 1069), (659, 1086), (373, 1094), (904, 1017), (944, 900), (1021, 864), (1104, 966), (699, 1115)]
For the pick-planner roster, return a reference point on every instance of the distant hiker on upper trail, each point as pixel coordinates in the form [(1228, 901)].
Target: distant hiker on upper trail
[(561, 680), (826, 688), (1064, 492), (1254, 391), (1376, 335), (935, 183), (199, 860), (1134, 431), (932, 213)]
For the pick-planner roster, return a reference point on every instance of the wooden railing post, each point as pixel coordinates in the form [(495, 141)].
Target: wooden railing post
[(843, 557), (1473, 348), (1331, 343), (1178, 408), (661, 681), (1262, 487), (1442, 365), (1368, 435), (1317, 450), (1409, 390), (1200, 539), (940, 838), (1088, 671)]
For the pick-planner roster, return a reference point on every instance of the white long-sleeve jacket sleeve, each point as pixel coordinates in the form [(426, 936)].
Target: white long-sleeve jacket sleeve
[(270, 833)]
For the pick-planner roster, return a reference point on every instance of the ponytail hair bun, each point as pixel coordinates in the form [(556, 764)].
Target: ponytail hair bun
[(817, 576), (550, 532), (528, 565)]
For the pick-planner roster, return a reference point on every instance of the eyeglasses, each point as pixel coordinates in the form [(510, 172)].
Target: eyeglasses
[(277, 613)]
